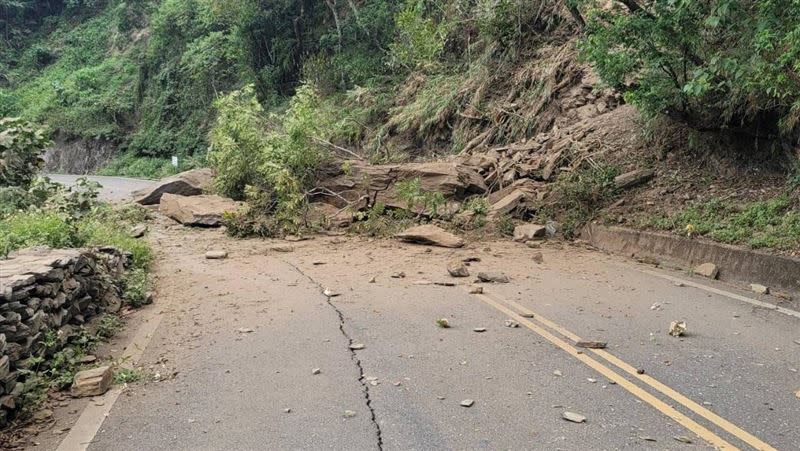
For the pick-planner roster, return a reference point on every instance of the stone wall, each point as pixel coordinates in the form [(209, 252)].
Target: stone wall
[(47, 293)]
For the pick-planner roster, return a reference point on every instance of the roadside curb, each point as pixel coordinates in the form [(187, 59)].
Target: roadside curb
[(736, 264)]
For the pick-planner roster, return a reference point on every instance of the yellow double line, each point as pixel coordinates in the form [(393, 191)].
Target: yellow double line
[(661, 406)]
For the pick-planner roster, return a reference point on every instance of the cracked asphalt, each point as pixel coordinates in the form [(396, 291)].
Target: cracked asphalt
[(231, 364), (240, 338)]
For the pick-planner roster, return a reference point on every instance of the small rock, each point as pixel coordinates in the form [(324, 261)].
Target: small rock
[(797, 394), (216, 255), (357, 346), (330, 293), (92, 382), (709, 270), (759, 289), (372, 280), (282, 248), (655, 306), (557, 373), (287, 410), (677, 328), (511, 323), (528, 232), (591, 380), (647, 438), (443, 323), (244, 330), (316, 371), (87, 359), (475, 289), (573, 417), (479, 329), (349, 414), (538, 258), (679, 284), (493, 277), (399, 275), (43, 415), (457, 269), (682, 439), (588, 344), (467, 403), (526, 315), (138, 231)]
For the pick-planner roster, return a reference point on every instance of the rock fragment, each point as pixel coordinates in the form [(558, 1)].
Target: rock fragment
[(92, 382), (573, 417), (677, 328), (138, 231), (759, 289), (431, 235), (475, 289), (216, 255), (528, 232), (457, 269), (467, 403), (491, 277), (511, 323), (590, 344), (709, 270)]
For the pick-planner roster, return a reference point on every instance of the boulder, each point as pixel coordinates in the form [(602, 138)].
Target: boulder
[(528, 232), (507, 204), (189, 183), (364, 184), (709, 270), (432, 235), (92, 382), (203, 211)]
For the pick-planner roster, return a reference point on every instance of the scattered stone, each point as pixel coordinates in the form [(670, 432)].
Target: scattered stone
[(506, 205), (444, 284), (189, 183), (573, 417), (759, 289), (679, 284), (526, 315), (357, 346), (349, 414), (538, 258), (493, 277), (677, 328), (422, 282), (316, 371), (42, 415), (633, 178), (399, 275), (443, 323), (372, 280), (287, 410), (783, 296), (431, 235), (282, 248), (655, 306), (647, 438), (558, 373), (457, 269), (244, 330), (640, 371), (87, 359), (216, 255), (709, 270), (591, 380), (528, 232), (475, 289), (467, 403), (682, 439), (138, 231), (797, 394), (589, 344), (479, 330), (330, 293), (511, 323), (92, 382)]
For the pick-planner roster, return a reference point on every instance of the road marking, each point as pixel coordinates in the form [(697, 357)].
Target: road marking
[(705, 434), (738, 297), (85, 429), (649, 380)]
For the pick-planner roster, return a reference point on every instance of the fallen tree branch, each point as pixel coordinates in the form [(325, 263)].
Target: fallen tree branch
[(342, 149)]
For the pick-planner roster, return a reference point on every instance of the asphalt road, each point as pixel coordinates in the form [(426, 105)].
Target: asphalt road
[(114, 189), (231, 365)]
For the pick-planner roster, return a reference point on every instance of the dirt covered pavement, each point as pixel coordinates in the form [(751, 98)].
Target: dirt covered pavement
[(250, 354)]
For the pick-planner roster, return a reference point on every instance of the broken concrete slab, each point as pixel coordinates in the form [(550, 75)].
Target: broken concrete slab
[(92, 382), (189, 183), (431, 235), (202, 211)]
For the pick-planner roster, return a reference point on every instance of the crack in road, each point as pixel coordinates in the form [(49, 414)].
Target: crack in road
[(353, 356)]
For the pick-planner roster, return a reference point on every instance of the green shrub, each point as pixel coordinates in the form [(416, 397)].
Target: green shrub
[(36, 229), (420, 39), (712, 64), (21, 147), (132, 165)]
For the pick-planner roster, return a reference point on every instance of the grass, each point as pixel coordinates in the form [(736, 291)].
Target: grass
[(772, 223), (130, 165)]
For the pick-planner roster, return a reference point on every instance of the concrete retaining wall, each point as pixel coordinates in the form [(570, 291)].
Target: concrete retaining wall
[(48, 293), (735, 264)]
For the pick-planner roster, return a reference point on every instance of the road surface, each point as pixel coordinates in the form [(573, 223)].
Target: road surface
[(248, 353), (114, 189)]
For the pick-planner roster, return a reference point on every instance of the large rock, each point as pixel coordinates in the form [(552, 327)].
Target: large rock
[(506, 205), (528, 232), (92, 382), (633, 178), (363, 184), (189, 183), (202, 211), (430, 234)]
